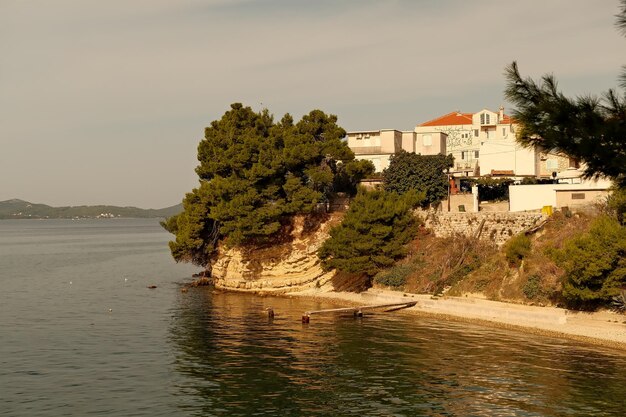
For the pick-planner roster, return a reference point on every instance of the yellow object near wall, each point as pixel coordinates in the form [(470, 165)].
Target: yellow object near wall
[(547, 210)]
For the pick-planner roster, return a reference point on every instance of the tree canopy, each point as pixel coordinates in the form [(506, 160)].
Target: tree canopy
[(424, 173), (594, 264), (255, 174), (588, 128), (373, 234)]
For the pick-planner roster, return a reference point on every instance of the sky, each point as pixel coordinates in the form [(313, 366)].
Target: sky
[(105, 102)]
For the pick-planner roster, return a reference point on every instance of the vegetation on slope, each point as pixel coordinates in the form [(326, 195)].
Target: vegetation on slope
[(373, 233), (256, 174)]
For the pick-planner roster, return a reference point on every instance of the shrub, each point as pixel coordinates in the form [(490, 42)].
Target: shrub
[(394, 277), (594, 264), (533, 289), (616, 205), (517, 249)]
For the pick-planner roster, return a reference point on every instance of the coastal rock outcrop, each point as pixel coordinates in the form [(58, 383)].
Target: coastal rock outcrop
[(280, 268)]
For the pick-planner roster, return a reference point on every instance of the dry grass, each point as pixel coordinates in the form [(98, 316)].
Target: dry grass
[(460, 265), (537, 280)]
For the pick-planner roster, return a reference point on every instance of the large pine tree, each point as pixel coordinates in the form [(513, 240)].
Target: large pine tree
[(255, 174), (588, 128)]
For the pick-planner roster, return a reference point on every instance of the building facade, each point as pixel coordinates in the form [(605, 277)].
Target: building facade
[(482, 143), (377, 146)]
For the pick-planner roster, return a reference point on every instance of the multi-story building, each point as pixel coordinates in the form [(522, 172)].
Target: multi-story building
[(378, 145), (483, 143)]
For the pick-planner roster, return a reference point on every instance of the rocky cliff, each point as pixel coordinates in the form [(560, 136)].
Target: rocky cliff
[(284, 267)]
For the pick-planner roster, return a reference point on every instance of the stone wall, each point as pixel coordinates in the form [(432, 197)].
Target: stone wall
[(498, 227)]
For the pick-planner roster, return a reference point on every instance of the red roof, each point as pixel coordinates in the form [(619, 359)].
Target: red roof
[(507, 120), (457, 118), (453, 118)]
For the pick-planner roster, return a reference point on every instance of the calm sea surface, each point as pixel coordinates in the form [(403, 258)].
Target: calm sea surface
[(81, 334)]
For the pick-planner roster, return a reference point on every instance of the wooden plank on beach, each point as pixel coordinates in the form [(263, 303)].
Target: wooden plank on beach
[(358, 310)]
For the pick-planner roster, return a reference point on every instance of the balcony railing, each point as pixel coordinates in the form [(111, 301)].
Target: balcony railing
[(366, 150), (466, 164)]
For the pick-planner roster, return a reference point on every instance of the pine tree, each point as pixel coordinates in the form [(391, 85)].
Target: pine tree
[(255, 174), (588, 128), (373, 233)]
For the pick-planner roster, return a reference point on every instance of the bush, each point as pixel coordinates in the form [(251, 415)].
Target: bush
[(594, 264), (533, 289), (394, 277), (517, 249), (616, 205)]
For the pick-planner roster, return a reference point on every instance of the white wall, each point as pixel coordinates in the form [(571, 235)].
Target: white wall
[(534, 197), (505, 155)]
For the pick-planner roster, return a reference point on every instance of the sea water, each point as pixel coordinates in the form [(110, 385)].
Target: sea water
[(81, 334)]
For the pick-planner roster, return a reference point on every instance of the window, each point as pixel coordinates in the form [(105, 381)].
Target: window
[(475, 133), (578, 196), (427, 140), (482, 119), (552, 164), (504, 131), (463, 155), (475, 154), (487, 118)]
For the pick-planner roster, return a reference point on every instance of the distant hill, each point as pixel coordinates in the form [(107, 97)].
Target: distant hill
[(20, 209)]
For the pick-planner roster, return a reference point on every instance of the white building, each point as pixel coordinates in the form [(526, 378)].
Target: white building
[(483, 143), (378, 145)]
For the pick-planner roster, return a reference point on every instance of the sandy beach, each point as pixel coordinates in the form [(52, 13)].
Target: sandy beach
[(604, 328)]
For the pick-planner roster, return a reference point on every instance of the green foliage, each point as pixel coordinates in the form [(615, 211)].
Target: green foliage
[(373, 234), (590, 129), (616, 204), (255, 174), (196, 233), (349, 174), (491, 189), (533, 288), (594, 264), (424, 173), (517, 248), (394, 277)]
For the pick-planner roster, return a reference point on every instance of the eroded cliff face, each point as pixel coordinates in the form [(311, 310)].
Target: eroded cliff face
[(281, 268)]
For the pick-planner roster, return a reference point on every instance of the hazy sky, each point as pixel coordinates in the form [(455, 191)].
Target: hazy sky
[(106, 101)]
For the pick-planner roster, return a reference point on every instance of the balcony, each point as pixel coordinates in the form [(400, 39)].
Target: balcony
[(466, 165), (366, 150)]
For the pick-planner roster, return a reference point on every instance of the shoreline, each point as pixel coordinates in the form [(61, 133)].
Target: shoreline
[(604, 328)]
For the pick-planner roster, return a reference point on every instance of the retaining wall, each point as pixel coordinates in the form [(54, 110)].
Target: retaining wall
[(498, 228)]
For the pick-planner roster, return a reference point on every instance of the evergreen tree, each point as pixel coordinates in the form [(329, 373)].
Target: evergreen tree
[(424, 173), (594, 264), (373, 233), (588, 128), (255, 173)]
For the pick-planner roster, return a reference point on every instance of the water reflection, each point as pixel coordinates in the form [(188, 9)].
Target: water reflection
[(235, 361)]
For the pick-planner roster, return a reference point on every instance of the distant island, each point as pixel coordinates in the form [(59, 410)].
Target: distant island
[(20, 209)]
